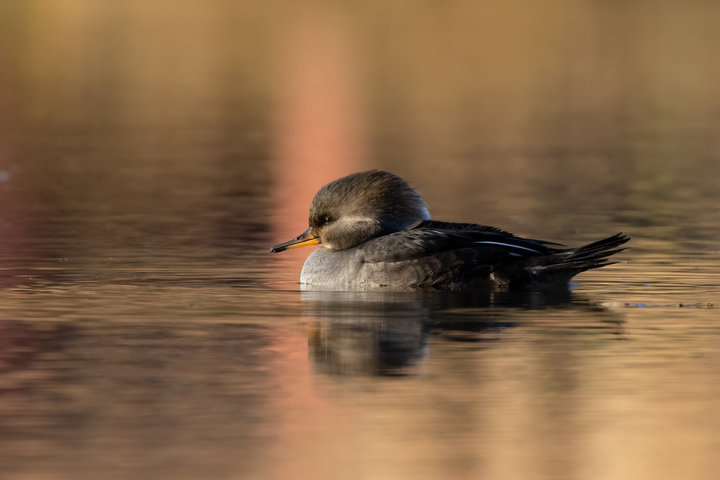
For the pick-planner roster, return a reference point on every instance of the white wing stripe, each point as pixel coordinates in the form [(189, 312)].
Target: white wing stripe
[(509, 245)]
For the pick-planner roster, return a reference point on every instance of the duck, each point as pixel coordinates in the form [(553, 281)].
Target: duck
[(376, 232)]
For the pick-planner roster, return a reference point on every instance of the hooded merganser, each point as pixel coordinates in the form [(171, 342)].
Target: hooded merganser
[(376, 232)]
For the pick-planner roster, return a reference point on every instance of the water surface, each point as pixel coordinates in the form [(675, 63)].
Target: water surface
[(150, 156)]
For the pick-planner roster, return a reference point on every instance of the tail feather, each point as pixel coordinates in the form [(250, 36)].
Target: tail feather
[(592, 255), (597, 257), (560, 266), (603, 245)]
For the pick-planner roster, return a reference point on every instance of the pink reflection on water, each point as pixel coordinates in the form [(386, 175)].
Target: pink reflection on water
[(319, 119), (319, 136), (314, 434)]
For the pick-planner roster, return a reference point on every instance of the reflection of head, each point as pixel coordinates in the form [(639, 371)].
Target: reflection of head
[(366, 347), (365, 333)]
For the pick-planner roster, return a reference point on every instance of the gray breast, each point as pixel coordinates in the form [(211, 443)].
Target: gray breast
[(349, 270), (326, 268), (353, 269)]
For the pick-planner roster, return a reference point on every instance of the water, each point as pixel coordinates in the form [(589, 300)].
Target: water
[(149, 157)]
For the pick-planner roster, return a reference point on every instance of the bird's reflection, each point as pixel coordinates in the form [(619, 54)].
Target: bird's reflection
[(366, 332), (387, 333)]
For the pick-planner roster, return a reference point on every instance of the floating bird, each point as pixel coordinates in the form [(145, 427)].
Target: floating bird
[(376, 232)]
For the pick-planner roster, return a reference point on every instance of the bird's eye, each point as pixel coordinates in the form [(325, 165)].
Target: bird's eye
[(321, 220)]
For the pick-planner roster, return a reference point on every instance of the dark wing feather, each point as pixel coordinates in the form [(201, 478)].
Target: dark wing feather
[(430, 238), (475, 228), (460, 255)]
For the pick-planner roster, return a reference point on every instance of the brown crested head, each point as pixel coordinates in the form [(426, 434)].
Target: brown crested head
[(354, 209)]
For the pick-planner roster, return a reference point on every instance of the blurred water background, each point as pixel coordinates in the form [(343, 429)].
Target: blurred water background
[(151, 152)]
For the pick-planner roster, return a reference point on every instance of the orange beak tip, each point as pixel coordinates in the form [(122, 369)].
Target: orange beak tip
[(303, 240)]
